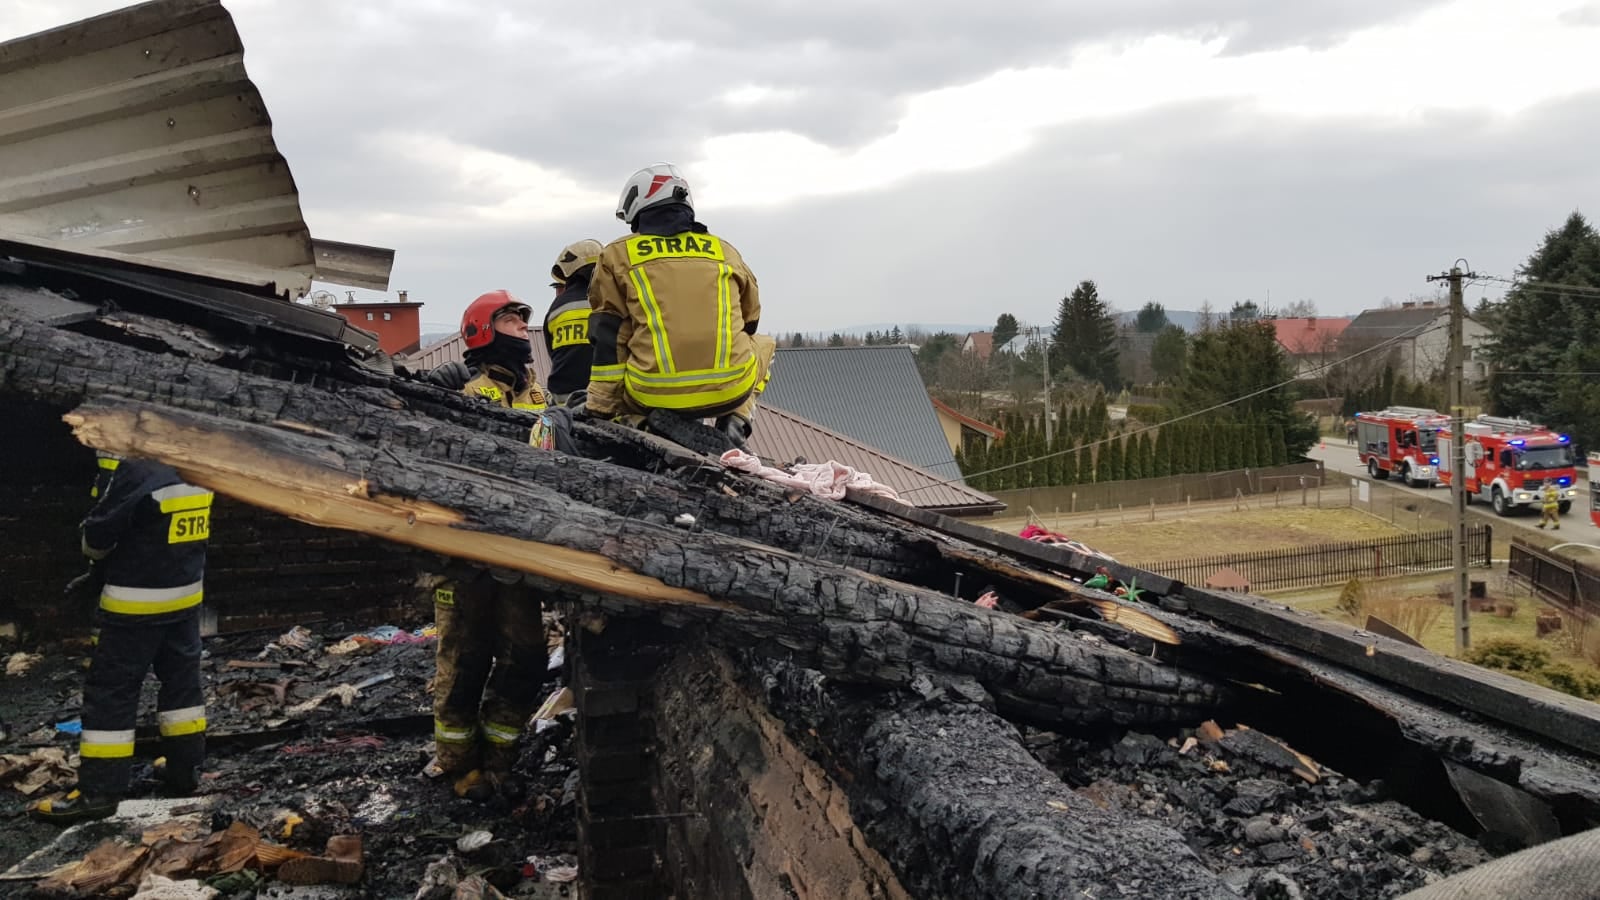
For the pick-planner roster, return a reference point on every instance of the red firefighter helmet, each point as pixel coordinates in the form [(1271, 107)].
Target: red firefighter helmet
[(477, 323)]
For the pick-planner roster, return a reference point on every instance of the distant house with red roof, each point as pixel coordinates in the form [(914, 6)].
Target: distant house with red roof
[(1311, 342), (979, 342)]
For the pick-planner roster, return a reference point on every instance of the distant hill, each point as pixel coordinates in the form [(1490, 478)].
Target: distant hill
[(861, 330)]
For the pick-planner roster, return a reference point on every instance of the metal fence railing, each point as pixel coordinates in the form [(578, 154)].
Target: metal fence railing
[(1572, 585), (1324, 564)]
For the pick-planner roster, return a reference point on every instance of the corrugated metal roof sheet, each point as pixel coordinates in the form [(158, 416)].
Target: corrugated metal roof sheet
[(872, 394), (780, 436), (138, 134)]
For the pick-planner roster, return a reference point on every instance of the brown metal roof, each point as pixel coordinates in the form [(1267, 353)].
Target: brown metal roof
[(781, 436)]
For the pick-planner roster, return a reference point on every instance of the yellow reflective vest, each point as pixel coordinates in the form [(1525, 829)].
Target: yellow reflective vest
[(683, 301)]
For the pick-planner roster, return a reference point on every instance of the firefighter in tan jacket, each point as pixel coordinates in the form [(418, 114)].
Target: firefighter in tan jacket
[(675, 311), (491, 657)]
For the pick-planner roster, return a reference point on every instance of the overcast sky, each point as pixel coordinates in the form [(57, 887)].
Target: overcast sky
[(939, 161)]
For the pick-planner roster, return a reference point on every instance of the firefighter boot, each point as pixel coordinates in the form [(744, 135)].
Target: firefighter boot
[(74, 808), (736, 427)]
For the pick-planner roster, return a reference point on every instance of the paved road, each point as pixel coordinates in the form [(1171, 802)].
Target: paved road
[(1338, 457)]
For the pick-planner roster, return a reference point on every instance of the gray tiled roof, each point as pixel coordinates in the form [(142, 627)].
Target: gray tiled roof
[(1389, 323), (872, 394)]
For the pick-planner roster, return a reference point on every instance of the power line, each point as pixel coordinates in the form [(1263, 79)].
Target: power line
[(1415, 332), (1542, 286)]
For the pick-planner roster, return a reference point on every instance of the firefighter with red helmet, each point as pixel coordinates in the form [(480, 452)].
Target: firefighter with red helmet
[(674, 314), (498, 351), (491, 655)]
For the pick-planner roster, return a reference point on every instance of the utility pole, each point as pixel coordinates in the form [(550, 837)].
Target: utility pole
[(1047, 429), (1457, 363)]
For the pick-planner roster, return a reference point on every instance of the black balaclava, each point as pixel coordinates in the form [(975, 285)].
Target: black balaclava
[(510, 353), (667, 219)]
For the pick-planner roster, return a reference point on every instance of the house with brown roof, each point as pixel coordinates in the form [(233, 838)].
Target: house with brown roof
[(1310, 342), (979, 342), (964, 433)]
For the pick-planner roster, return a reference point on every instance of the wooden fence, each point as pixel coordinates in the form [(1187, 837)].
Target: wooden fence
[(1325, 564), (1572, 585)]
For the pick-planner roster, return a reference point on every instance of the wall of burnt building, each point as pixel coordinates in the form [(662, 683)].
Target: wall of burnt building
[(263, 570)]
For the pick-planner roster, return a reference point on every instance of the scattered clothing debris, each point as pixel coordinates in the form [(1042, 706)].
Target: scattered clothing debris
[(829, 480), (157, 887), (71, 726), (1042, 535), (474, 841), (559, 703), (20, 663)]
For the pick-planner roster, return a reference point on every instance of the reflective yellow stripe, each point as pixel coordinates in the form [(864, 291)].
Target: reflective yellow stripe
[(452, 734), (724, 316), (179, 722), (131, 601), (500, 734), (182, 497), (652, 314), (533, 406), (106, 744), (691, 378), (109, 464), (570, 328), (605, 373), (679, 399)]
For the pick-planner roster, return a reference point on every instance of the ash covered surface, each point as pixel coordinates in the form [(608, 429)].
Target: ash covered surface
[(321, 729), (1270, 831)]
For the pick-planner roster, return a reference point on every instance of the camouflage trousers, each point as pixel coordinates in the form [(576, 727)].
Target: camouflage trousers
[(491, 663)]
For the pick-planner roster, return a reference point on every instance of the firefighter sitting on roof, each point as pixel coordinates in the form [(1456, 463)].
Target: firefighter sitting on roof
[(495, 331), (675, 311), (148, 531), (566, 325)]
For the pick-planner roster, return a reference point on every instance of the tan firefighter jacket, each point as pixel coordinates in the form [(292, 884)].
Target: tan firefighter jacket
[(683, 301), (497, 386)]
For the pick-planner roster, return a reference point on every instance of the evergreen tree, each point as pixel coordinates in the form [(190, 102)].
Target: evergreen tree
[(1250, 457), (1264, 454), (1099, 421), (1005, 328), (836, 340), (1151, 319), (1552, 329), (1147, 455), (1232, 362), (1109, 466), (894, 336), (1085, 465), (797, 340), (1186, 453), (1133, 464), (1169, 353), (1162, 464), (1206, 439), (1280, 452), (1086, 335), (1069, 467)]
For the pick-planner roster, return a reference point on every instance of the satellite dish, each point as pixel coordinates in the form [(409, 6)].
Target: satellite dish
[(322, 299)]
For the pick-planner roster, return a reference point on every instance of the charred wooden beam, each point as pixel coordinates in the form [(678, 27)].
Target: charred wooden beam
[(65, 369), (832, 618)]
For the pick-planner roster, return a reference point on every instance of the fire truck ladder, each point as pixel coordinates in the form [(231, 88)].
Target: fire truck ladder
[(1515, 426), (1409, 412)]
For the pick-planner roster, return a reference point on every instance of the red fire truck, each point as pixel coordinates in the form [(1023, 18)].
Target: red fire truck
[(1510, 461), (1402, 440), (1594, 488)]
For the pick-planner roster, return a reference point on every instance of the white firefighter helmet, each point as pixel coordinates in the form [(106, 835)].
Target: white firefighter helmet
[(652, 186)]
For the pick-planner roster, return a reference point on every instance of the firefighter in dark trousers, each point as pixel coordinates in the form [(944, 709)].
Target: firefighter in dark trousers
[(148, 533), (674, 317), (1550, 506), (566, 324), (491, 656)]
